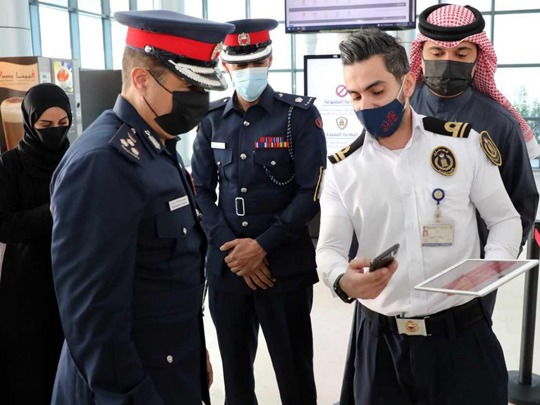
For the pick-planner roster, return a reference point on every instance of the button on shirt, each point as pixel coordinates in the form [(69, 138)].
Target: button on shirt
[(385, 198)]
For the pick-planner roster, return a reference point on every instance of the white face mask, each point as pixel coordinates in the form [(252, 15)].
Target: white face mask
[(250, 82)]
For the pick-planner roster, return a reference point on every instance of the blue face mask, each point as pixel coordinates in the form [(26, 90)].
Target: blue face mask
[(382, 122), (250, 82)]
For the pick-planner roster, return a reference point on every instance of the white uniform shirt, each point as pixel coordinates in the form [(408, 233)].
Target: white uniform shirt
[(386, 198)]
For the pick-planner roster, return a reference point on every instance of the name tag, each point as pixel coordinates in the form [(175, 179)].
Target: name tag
[(217, 145), (178, 203), (438, 234)]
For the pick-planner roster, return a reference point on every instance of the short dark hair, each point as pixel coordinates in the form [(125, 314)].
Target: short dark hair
[(133, 58), (365, 43)]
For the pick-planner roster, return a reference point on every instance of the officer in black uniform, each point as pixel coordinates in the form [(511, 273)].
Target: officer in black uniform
[(265, 151), (128, 249)]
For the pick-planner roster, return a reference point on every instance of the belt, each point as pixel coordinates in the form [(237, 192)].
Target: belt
[(242, 206), (463, 315)]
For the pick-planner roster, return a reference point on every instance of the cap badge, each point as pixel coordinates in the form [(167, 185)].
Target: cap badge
[(244, 39), (443, 161), (217, 50)]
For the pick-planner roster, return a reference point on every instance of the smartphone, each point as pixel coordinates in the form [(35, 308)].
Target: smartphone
[(385, 258)]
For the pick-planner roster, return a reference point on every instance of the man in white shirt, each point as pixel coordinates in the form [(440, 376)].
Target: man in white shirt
[(405, 179)]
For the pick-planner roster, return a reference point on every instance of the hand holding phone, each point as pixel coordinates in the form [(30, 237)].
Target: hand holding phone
[(385, 258)]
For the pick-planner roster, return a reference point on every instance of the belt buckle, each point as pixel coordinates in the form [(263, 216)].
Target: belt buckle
[(412, 326), (239, 203)]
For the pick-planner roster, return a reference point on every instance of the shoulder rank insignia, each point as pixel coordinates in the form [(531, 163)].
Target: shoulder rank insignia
[(128, 145), (443, 161), (218, 103), (447, 128), (490, 149), (348, 150), (126, 142), (296, 101)]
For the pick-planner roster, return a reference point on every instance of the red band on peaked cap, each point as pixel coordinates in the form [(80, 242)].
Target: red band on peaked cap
[(254, 38), (176, 45)]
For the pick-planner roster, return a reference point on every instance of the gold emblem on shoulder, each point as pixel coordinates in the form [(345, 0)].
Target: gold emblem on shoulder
[(244, 39), (443, 161), (490, 149)]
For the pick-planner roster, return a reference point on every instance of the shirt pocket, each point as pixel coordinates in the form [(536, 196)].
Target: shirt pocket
[(453, 207), (276, 163), (174, 224), (166, 237), (223, 159)]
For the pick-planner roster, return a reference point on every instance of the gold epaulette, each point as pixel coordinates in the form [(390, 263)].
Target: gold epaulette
[(447, 128), (348, 150)]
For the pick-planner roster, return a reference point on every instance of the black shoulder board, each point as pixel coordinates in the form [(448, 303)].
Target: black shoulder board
[(447, 128), (222, 102), (303, 102), (127, 143), (348, 150)]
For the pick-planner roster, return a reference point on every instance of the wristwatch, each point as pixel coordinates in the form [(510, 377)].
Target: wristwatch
[(340, 293)]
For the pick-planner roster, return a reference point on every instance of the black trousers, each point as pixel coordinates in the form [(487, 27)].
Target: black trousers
[(461, 367), (286, 324)]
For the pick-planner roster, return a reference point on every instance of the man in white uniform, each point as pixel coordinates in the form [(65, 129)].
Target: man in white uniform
[(415, 181)]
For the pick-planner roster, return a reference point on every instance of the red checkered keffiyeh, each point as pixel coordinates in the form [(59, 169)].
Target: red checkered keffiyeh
[(483, 81)]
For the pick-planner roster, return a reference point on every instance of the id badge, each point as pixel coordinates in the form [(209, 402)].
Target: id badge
[(438, 234)]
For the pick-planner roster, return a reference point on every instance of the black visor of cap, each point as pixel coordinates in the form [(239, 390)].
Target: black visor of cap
[(439, 33), (248, 49)]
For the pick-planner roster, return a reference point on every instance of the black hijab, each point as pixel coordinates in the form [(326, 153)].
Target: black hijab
[(37, 160)]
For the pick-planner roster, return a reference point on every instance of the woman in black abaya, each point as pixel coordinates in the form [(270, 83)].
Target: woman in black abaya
[(30, 330)]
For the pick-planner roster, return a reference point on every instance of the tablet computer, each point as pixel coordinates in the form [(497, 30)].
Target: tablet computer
[(476, 277)]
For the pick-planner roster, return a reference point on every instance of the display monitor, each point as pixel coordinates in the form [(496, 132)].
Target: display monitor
[(347, 15)]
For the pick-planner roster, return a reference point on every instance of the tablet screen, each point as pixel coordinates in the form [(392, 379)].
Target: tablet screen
[(476, 277)]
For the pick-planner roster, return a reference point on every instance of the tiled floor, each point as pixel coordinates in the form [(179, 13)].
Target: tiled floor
[(331, 325)]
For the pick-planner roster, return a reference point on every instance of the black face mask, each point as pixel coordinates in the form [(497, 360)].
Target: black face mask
[(53, 138), (447, 77), (188, 109)]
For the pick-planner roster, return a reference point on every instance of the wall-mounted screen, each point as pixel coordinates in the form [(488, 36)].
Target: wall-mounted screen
[(346, 15)]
